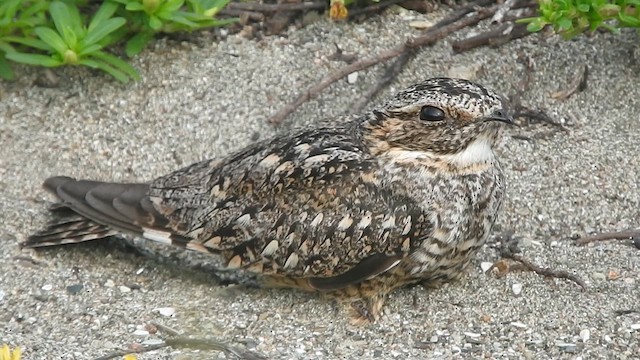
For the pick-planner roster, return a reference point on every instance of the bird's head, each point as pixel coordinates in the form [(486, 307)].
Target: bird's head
[(453, 120)]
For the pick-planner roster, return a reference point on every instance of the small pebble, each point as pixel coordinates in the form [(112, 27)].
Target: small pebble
[(585, 334), (74, 289), (472, 334), (635, 326), (151, 342), (636, 242), (47, 287), (109, 283), (352, 78), (485, 266), (124, 289), (1, 295), (434, 339), (421, 24), (568, 347), (516, 288), (140, 271), (165, 311), (607, 338), (518, 324), (141, 332), (598, 276)]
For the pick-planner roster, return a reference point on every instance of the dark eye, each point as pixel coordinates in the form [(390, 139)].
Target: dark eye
[(431, 113)]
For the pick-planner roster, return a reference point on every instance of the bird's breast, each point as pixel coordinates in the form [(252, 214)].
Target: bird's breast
[(461, 209)]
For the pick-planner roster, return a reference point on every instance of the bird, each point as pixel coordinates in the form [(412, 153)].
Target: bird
[(402, 194)]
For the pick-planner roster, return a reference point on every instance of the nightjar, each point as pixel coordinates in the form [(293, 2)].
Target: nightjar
[(404, 193)]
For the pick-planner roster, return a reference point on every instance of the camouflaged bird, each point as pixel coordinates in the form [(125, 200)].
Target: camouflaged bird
[(402, 194)]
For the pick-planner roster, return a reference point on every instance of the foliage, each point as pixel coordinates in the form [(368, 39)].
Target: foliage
[(573, 17), (56, 33)]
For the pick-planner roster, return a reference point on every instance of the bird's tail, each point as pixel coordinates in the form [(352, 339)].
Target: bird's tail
[(90, 210)]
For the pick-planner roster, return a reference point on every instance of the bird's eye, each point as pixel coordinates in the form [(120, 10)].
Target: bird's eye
[(431, 113)]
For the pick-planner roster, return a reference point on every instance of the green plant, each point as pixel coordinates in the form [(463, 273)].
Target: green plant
[(148, 17), (572, 17), (71, 43), (17, 21), (54, 33)]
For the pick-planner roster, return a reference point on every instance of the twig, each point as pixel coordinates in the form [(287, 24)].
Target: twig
[(626, 312), (463, 11), (188, 343), (430, 37), (251, 15), (165, 329), (498, 36), (376, 7), (502, 11), (560, 274), (539, 116), (208, 344), (616, 235), (123, 352), (578, 84), (339, 55), (390, 74), (270, 8)]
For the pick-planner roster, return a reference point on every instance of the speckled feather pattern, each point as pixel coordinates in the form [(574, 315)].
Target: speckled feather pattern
[(357, 209)]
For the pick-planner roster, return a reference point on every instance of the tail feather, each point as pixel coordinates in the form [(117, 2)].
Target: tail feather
[(68, 230), (90, 210)]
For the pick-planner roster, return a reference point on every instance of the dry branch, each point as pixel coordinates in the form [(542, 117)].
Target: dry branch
[(616, 235), (498, 36), (376, 7), (271, 8), (548, 272)]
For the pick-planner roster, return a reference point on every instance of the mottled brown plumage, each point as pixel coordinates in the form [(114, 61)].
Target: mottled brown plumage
[(402, 194)]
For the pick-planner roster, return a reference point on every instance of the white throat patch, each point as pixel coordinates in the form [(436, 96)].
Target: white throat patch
[(478, 152)]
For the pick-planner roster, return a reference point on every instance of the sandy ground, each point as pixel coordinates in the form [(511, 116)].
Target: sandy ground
[(200, 101)]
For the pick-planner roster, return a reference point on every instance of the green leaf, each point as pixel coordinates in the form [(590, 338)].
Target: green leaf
[(134, 6), (137, 43), (584, 8), (171, 5), (628, 20), (119, 75), (106, 27), (105, 11), (67, 21), (5, 47), (37, 7), (155, 23), (180, 18), (89, 49), (5, 69), (117, 63), (34, 43), (52, 39), (535, 24), (33, 59), (564, 23)]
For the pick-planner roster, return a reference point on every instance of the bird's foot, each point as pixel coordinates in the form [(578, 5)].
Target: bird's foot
[(365, 311)]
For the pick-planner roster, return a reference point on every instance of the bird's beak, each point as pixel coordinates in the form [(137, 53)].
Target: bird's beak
[(501, 116)]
